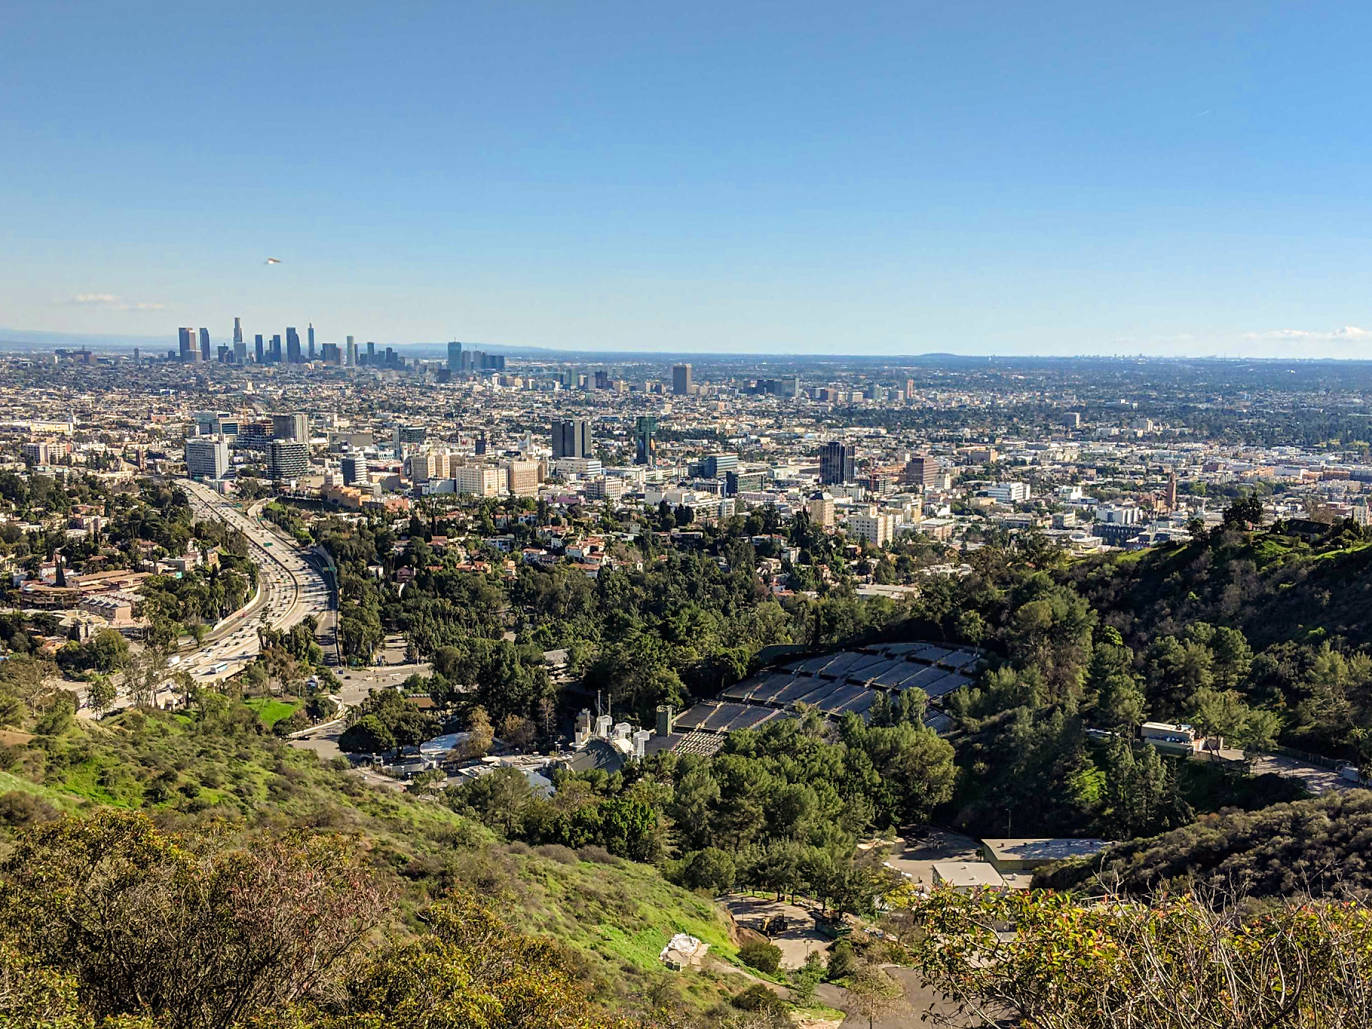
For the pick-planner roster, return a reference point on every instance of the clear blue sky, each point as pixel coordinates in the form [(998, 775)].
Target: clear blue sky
[(979, 177)]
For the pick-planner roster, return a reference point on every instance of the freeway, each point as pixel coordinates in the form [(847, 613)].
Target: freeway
[(292, 588)]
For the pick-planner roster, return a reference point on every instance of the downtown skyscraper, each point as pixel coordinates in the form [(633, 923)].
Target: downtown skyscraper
[(572, 438), (186, 351)]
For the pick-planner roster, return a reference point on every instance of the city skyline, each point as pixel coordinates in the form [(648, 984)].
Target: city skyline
[(969, 180)]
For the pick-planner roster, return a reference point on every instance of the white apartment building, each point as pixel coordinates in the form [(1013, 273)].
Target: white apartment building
[(871, 525), (207, 457), (1008, 492), (479, 480), (1119, 514)]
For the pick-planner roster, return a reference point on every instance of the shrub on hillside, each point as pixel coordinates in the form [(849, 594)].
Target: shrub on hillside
[(765, 957)]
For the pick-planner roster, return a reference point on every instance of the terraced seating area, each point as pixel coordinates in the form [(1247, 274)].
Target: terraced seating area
[(834, 683)]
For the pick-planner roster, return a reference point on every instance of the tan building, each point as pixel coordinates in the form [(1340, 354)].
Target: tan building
[(821, 510), (871, 525), (421, 467), (478, 480), (523, 478), (343, 496)]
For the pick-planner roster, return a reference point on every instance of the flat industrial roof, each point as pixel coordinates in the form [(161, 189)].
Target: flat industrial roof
[(968, 874), (1042, 851)]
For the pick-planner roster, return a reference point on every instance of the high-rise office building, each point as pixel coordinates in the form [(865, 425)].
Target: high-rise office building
[(837, 463), (274, 355), (287, 459), (407, 435), (736, 482), (681, 379), (454, 357), (371, 353), (921, 470), (354, 470), (259, 351), (352, 352), (310, 333), (205, 345), (572, 438), (293, 355), (714, 466), (207, 457), (645, 441), (238, 330), (290, 426), (330, 354), (185, 338)]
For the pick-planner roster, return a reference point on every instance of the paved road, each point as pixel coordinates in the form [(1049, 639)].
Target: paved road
[(355, 684), (291, 589), (909, 1012), (1315, 779)]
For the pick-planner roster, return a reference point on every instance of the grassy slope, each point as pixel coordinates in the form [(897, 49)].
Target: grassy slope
[(271, 710), (617, 914)]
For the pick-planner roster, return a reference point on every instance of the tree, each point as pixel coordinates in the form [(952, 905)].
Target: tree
[(471, 970), (842, 960), (188, 929), (759, 954), (100, 693), (710, 869), (480, 736), (1244, 512), (517, 733), (875, 994), (368, 735), (23, 681), (427, 784), (145, 675), (1140, 790)]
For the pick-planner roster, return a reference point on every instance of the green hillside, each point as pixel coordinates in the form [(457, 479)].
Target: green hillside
[(218, 766), (1314, 847), (1273, 585)]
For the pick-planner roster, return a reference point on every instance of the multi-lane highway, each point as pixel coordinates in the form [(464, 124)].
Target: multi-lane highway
[(291, 589)]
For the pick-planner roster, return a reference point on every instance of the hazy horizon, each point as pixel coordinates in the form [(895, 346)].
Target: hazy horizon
[(27, 340), (1066, 179)]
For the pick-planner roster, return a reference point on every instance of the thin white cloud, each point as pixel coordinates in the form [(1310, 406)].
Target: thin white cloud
[(1347, 332), (109, 300)]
